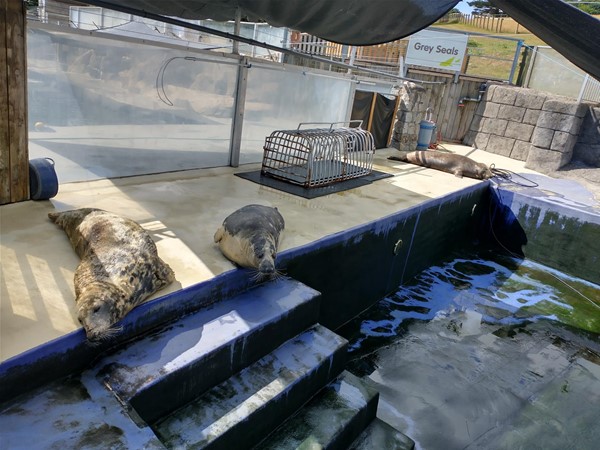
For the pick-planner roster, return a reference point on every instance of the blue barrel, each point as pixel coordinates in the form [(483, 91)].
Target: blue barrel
[(426, 128), (43, 183)]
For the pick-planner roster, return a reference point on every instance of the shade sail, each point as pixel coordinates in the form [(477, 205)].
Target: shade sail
[(352, 22), (570, 31)]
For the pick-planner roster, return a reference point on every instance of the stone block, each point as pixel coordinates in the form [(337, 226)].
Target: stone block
[(530, 99), (542, 137), (563, 142), (513, 113), (531, 116), (589, 133), (518, 130), (587, 153), (476, 123), (469, 138), (500, 145), (559, 122), (481, 141), (494, 126), (520, 150), (545, 160), (505, 95), (564, 106), (491, 110)]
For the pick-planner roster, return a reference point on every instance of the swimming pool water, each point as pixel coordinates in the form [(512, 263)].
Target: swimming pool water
[(485, 351)]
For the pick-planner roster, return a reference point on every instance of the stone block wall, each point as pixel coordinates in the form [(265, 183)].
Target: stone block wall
[(410, 110), (587, 147), (539, 128)]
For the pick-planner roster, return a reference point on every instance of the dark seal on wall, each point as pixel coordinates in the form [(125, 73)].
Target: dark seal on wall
[(458, 165), (119, 267), (250, 238)]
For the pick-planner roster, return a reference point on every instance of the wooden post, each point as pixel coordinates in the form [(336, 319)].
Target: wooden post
[(14, 155)]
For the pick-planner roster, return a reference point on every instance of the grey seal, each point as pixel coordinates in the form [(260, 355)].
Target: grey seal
[(250, 238), (459, 165), (119, 267)]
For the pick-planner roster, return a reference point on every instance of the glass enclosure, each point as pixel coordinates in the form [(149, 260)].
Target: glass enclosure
[(282, 99), (107, 104), (105, 108)]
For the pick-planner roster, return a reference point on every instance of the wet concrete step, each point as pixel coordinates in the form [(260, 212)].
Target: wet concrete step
[(332, 420), (380, 435), (244, 409), (72, 413), (162, 371)]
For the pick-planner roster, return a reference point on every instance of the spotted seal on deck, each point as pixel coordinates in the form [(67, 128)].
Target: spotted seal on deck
[(119, 267), (250, 238), (453, 163)]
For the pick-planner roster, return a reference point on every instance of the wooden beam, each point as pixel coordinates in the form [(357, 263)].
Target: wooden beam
[(14, 155), (4, 150)]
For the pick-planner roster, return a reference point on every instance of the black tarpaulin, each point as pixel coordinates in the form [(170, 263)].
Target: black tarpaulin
[(568, 30), (351, 22)]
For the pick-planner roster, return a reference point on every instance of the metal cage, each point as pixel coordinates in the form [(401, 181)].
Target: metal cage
[(319, 156)]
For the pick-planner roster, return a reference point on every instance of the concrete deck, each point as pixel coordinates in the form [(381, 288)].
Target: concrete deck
[(182, 211)]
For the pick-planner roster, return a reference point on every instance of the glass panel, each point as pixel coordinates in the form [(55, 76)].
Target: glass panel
[(104, 108), (553, 73), (280, 100)]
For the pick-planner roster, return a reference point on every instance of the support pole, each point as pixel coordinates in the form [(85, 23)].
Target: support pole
[(14, 154)]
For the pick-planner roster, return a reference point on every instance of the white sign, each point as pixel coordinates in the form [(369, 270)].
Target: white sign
[(437, 49)]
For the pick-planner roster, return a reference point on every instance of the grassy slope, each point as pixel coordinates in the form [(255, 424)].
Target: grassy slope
[(491, 57)]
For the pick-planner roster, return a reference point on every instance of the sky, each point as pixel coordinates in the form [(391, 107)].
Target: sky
[(464, 7)]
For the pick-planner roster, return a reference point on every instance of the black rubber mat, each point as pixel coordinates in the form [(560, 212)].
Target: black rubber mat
[(314, 192)]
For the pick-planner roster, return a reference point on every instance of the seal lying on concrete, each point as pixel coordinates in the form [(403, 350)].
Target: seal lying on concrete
[(250, 237), (458, 165), (119, 267)]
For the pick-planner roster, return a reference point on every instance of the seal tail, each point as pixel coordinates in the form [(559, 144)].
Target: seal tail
[(54, 216), (402, 157)]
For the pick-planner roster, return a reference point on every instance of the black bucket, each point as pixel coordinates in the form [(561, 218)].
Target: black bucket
[(43, 183)]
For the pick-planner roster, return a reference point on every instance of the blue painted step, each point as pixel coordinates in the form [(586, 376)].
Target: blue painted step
[(165, 370), (72, 413), (380, 435), (332, 420), (244, 409)]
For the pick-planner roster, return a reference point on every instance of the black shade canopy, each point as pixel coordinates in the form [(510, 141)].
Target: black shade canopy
[(570, 31), (352, 22)]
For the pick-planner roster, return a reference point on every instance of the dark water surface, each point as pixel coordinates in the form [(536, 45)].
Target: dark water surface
[(486, 352)]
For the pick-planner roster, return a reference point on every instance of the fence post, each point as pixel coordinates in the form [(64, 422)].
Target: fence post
[(238, 116), (586, 79), (515, 61)]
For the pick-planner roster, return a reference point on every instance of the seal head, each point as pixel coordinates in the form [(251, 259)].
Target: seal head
[(119, 267), (250, 236)]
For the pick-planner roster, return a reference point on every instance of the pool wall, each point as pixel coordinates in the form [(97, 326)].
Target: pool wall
[(357, 267), (546, 228)]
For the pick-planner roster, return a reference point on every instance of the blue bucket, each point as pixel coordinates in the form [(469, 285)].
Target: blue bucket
[(43, 183), (426, 128)]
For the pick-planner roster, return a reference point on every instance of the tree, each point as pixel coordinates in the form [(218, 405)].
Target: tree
[(588, 6), (484, 7)]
